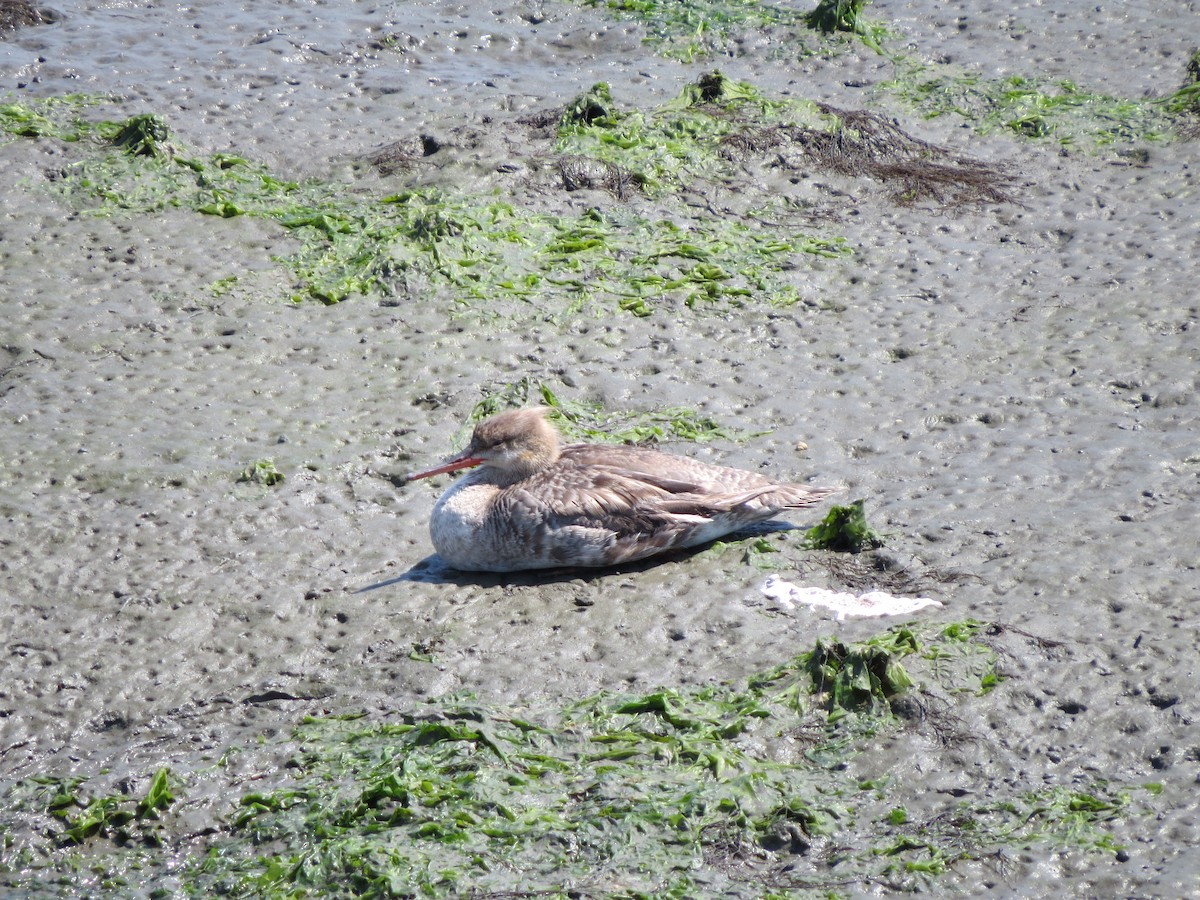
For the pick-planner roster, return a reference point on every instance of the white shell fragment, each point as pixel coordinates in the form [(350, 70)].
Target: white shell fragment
[(843, 604)]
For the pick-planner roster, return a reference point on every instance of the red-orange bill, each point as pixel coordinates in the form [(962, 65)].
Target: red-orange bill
[(459, 462)]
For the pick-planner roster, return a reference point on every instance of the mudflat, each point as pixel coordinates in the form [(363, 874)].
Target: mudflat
[(983, 322)]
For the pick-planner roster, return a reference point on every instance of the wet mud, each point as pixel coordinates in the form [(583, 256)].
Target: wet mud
[(1011, 383)]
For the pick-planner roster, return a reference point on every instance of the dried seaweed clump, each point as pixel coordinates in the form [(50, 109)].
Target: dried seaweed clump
[(858, 143), (578, 172), (882, 570), (401, 155), (752, 142), (543, 123), (868, 144)]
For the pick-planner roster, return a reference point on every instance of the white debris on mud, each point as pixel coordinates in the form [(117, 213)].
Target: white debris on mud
[(842, 603)]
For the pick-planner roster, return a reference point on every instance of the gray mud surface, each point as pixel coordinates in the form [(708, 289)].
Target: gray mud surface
[(1014, 389)]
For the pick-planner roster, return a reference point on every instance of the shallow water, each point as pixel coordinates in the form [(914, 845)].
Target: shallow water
[(1013, 389)]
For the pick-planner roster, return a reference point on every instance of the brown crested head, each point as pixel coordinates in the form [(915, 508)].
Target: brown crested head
[(518, 442), (515, 444)]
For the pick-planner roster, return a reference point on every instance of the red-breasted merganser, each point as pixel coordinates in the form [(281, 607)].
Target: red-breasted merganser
[(533, 504)]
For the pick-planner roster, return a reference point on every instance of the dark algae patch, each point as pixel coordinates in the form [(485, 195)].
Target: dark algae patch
[(16, 14), (721, 790)]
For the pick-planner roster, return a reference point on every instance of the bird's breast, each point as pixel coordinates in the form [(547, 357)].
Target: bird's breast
[(459, 523)]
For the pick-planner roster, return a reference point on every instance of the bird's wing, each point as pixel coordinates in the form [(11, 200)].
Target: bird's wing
[(620, 501)]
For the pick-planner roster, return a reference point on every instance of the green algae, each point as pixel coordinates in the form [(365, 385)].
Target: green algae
[(665, 148), (476, 251), (51, 117), (262, 471), (737, 791), (864, 677), (120, 817), (716, 128), (1037, 108), (960, 660), (692, 29), (845, 530), (489, 255), (143, 135), (838, 15), (1030, 106), (1186, 100), (584, 421), (833, 16), (688, 30)]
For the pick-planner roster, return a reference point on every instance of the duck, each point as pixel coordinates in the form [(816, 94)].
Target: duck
[(531, 502)]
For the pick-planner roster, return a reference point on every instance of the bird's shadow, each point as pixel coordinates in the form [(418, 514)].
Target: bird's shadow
[(432, 570)]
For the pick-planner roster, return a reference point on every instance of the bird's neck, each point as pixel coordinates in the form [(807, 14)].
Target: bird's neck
[(525, 465)]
